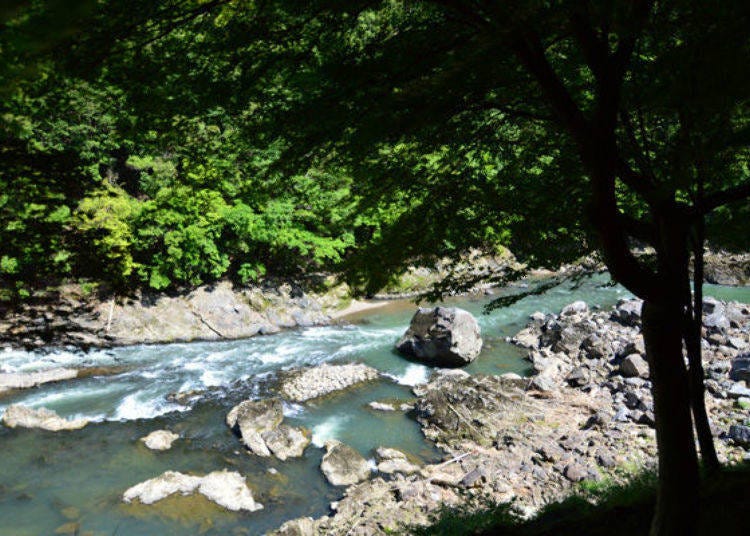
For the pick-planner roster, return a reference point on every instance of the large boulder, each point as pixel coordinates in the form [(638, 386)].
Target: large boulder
[(252, 418), (21, 416), (442, 336), (342, 465)]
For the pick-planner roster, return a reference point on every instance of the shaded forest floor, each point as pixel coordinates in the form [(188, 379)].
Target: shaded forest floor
[(611, 511)]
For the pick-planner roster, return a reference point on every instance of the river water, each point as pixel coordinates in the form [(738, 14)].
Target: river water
[(51, 481)]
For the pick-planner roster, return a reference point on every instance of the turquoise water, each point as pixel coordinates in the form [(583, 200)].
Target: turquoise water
[(50, 479)]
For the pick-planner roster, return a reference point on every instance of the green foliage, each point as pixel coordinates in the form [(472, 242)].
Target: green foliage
[(235, 139)]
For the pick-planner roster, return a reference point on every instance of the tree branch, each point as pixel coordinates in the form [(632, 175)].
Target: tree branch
[(717, 199), (530, 51)]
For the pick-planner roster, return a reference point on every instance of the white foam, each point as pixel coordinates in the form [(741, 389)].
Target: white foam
[(136, 406), (292, 410), (413, 375), (212, 378), (328, 429)]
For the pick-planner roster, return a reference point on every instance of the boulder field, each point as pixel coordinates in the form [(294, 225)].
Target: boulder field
[(585, 414)]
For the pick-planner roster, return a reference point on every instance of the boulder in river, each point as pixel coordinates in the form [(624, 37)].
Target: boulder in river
[(309, 383), (342, 465), (442, 336), (286, 441), (225, 488), (160, 440), (228, 489), (251, 418), (43, 418)]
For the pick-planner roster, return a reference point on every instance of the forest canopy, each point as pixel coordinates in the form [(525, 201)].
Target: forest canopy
[(168, 144)]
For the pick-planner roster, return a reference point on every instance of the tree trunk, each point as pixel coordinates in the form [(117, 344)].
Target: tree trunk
[(694, 323), (677, 493)]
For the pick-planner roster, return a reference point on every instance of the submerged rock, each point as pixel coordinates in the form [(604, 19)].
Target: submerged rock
[(443, 336), (160, 440), (306, 384), (43, 418), (25, 380), (342, 465), (225, 488)]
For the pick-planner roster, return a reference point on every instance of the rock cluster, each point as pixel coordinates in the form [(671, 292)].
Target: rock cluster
[(442, 336), (225, 488), (585, 414), (305, 384), (259, 425), (17, 415)]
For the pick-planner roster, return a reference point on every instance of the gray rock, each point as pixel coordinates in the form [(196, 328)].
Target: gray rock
[(286, 441), (715, 317), (628, 312), (575, 472), (740, 434), (575, 308), (740, 369), (634, 365), (160, 487), (394, 461), (443, 336), (227, 489), (473, 478), (303, 526), (342, 465), (25, 380), (737, 390), (251, 418), (17, 415), (306, 384), (538, 317), (160, 440), (579, 377), (526, 338)]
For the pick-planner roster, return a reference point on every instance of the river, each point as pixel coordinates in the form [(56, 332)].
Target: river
[(75, 480)]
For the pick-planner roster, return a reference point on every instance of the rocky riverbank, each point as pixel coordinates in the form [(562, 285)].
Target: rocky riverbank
[(585, 415), (210, 312), (77, 316)]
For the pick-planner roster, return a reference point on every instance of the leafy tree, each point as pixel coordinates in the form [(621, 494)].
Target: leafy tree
[(615, 122), (554, 128)]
